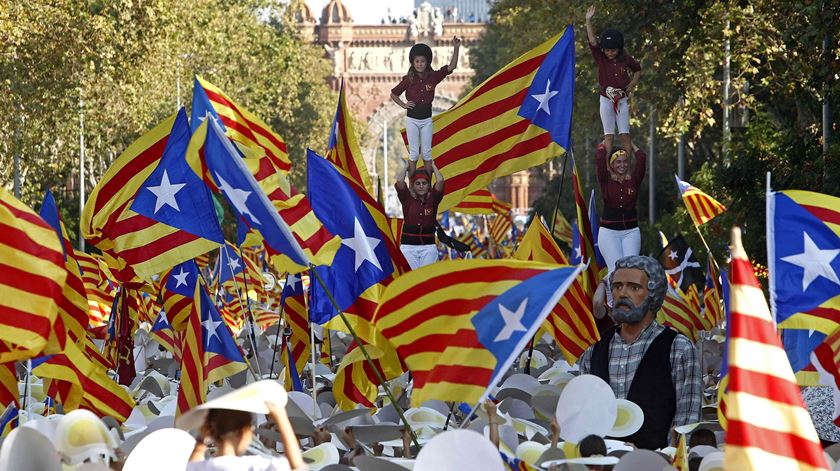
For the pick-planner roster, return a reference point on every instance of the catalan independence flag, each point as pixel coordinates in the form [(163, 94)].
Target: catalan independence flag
[(518, 118), (136, 244), (458, 325), (701, 207), (343, 149), (500, 228), (239, 124), (293, 300), (32, 278), (344, 152), (570, 323), (803, 244), (768, 424), (585, 240)]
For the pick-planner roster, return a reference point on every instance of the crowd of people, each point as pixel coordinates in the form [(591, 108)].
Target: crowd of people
[(642, 397)]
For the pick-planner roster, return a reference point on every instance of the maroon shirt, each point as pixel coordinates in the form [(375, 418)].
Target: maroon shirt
[(616, 73), (421, 90), (619, 197), (420, 215)]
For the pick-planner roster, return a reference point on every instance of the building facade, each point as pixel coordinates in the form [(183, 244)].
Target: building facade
[(372, 59)]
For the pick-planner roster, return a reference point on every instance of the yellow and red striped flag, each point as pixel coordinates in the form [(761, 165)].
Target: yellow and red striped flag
[(562, 228), (482, 201), (32, 279), (518, 118), (701, 207), (9, 393), (137, 245), (343, 149), (79, 382), (768, 424), (239, 124), (458, 325), (678, 311), (500, 228), (570, 323), (100, 290), (354, 380), (315, 240)]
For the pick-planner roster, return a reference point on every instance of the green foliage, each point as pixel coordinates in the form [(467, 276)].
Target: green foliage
[(119, 64), (780, 73)]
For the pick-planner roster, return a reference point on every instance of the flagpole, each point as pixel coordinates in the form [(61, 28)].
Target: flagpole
[(28, 388), (312, 350), (251, 337), (553, 222), (366, 355), (279, 330)]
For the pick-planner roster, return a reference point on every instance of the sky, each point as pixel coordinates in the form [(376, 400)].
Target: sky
[(367, 12)]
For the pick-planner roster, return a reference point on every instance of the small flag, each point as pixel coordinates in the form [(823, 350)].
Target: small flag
[(701, 207)]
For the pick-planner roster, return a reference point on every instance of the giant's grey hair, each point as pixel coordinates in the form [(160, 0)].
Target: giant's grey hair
[(657, 286)]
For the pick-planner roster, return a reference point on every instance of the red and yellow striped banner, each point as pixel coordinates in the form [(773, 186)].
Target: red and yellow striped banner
[(768, 424)]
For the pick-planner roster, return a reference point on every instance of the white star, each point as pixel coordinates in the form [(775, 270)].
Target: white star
[(543, 98), (673, 255), (292, 282), (165, 193), (578, 254), (210, 325), (363, 246), (181, 278), (237, 197), (233, 264), (513, 321), (815, 261)]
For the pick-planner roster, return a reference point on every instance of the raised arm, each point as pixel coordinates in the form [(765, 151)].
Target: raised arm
[(454, 62), (400, 177), (438, 177), (590, 12), (291, 446)]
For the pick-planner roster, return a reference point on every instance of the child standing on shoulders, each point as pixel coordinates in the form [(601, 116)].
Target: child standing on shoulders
[(618, 74), (419, 87)]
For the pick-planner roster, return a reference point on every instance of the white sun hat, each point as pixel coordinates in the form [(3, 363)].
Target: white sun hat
[(628, 420), (587, 406), (457, 450), (162, 450), (249, 398), (81, 436)]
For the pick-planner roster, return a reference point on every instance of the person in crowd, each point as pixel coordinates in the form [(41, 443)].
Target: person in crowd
[(420, 206), (618, 75), (419, 87), (592, 445), (702, 436), (231, 432), (643, 361), (618, 233)]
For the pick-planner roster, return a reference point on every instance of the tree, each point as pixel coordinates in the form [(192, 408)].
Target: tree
[(118, 64)]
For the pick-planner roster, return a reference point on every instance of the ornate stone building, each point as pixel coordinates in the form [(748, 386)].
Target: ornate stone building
[(372, 59)]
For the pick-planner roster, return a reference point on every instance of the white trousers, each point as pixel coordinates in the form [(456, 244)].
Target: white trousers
[(419, 133), (419, 255), (616, 244), (609, 116)]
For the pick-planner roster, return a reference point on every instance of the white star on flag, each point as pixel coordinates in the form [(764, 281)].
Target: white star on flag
[(237, 197), (513, 321), (181, 278), (165, 193), (292, 282), (210, 325), (673, 255), (233, 264), (543, 98), (363, 246), (814, 261)]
